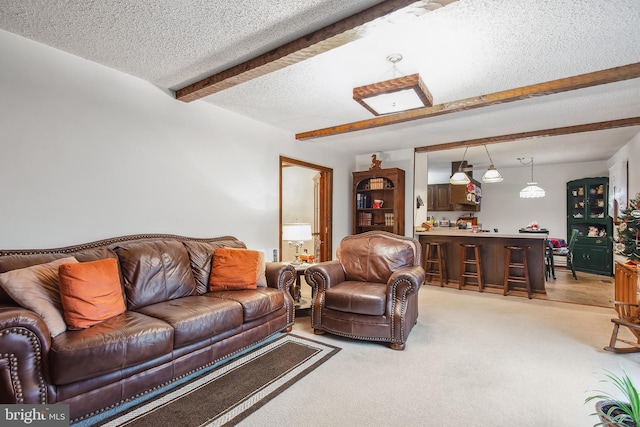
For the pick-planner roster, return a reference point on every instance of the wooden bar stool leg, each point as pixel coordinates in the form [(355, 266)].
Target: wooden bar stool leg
[(434, 263), (440, 272), (522, 266), (462, 267), (443, 266), (479, 269), (507, 266), (526, 272)]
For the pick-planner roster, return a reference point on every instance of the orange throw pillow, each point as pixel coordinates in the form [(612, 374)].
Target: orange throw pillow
[(234, 269), (90, 292)]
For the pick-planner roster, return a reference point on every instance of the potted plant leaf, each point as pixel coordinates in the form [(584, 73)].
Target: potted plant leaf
[(617, 412)]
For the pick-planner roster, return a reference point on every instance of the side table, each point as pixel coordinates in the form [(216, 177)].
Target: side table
[(302, 306)]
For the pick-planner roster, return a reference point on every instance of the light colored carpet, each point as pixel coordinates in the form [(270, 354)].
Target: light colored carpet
[(472, 360)]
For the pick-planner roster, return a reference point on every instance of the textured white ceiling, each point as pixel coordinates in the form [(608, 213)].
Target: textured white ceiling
[(466, 49)]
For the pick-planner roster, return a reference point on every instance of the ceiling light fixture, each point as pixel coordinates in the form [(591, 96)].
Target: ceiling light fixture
[(394, 95), (532, 190), (491, 175), (460, 178)]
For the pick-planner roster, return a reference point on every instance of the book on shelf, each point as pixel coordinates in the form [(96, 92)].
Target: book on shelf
[(388, 219), (365, 218)]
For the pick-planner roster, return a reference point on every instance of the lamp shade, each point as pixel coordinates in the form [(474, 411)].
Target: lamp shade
[(531, 191), (296, 232), (492, 175), (459, 178)]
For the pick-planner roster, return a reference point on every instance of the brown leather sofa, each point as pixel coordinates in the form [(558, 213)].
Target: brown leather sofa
[(371, 291), (172, 326)]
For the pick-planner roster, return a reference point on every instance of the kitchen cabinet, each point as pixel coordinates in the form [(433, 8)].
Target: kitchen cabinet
[(438, 198), (466, 197), (385, 185), (587, 211)]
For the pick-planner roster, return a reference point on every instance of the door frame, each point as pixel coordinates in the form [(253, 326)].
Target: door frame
[(325, 209)]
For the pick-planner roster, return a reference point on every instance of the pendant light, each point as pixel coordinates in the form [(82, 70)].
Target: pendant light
[(460, 178), (491, 175), (532, 190)]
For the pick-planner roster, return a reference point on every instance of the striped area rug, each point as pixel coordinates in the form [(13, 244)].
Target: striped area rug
[(228, 392)]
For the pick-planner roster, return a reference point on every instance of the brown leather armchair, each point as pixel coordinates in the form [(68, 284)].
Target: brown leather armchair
[(371, 291)]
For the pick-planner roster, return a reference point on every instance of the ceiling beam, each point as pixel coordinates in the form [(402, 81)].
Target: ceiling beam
[(308, 46), (581, 81), (566, 130)]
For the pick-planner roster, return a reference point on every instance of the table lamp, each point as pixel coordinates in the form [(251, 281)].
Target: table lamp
[(296, 234)]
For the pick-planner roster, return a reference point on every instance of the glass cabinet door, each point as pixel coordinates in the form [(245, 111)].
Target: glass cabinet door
[(596, 201), (577, 202)]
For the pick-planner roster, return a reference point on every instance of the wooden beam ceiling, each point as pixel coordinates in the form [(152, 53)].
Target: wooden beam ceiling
[(596, 78), (305, 47), (566, 130)]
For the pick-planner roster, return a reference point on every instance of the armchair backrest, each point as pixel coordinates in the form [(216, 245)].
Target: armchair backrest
[(373, 256)]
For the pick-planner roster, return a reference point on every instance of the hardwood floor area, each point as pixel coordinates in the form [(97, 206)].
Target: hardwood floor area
[(589, 289)]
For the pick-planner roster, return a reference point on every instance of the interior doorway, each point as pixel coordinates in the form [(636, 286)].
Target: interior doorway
[(306, 192)]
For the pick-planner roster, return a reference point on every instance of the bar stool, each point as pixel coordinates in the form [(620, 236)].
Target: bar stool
[(434, 263), (474, 260), (508, 277)]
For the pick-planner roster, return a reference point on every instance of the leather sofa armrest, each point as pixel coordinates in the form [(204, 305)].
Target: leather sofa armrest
[(324, 275), (280, 276), (24, 342), (406, 281)]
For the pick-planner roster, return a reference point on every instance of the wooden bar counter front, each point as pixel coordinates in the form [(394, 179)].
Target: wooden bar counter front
[(492, 254)]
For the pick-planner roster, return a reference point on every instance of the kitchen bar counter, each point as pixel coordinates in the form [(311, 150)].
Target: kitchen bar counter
[(492, 254)]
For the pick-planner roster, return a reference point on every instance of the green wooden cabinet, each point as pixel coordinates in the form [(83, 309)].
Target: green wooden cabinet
[(588, 212)]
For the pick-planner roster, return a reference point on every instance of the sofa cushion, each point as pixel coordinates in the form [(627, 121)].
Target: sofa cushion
[(36, 288), (255, 303), (90, 292), (119, 342), (197, 317), (154, 271), (201, 256), (234, 269), (357, 297)]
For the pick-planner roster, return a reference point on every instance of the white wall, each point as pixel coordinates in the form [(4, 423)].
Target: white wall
[(503, 208), (630, 153), (88, 152)]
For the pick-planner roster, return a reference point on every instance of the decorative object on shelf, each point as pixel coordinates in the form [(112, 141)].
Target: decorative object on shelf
[(296, 234), (627, 240), (491, 175), (460, 178), (377, 204), (375, 163), (401, 93), (531, 190)]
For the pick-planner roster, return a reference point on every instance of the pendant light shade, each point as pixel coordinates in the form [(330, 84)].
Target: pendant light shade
[(460, 178), (491, 175), (531, 191)]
